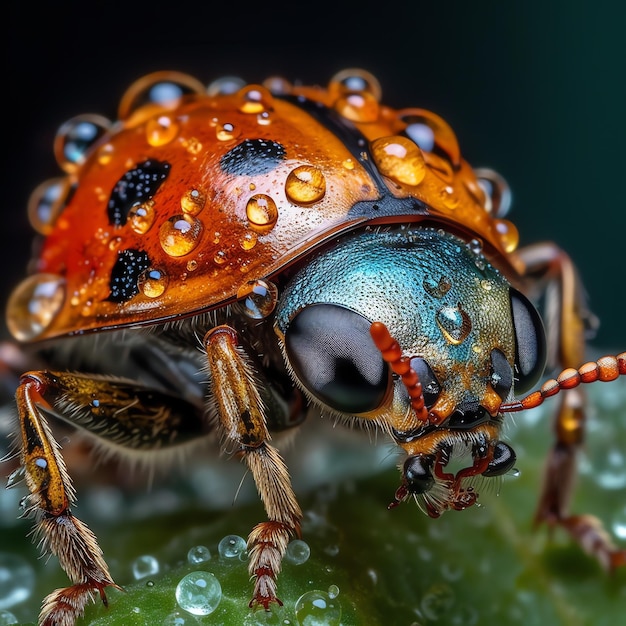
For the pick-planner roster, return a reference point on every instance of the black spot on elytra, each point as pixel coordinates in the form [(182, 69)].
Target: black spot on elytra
[(135, 186), (252, 156), (125, 273)]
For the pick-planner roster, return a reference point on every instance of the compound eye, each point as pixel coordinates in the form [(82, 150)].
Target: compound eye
[(504, 458), (418, 474), (501, 374), (333, 355), (429, 381), (530, 342)]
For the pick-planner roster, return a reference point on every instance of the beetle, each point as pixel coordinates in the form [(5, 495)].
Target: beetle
[(218, 259)]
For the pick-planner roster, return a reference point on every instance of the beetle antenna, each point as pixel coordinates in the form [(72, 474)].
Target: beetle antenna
[(605, 369), (401, 365)]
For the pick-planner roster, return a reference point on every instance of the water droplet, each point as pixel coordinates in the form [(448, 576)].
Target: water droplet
[(305, 184), (264, 118), (278, 86), (161, 130), (486, 285), (34, 304), (449, 198), (17, 580), (508, 234), (257, 299), (437, 289), (317, 608), (225, 85), (192, 201), (431, 133), (475, 246), (180, 234), (262, 212), (75, 138), (7, 618), (220, 257), (231, 547), (358, 107), (400, 159), (454, 323), (255, 99), (333, 591), (144, 566), (192, 265), (437, 602), (105, 154), (141, 217), (355, 80), (149, 583), (164, 89), (248, 240), (198, 554), (152, 282), (348, 164), (497, 192), (199, 593), (226, 131), (298, 552), (46, 203)]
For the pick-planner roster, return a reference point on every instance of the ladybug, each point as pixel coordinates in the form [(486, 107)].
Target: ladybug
[(219, 259)]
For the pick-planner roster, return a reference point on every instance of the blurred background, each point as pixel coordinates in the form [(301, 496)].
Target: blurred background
[(535, 90)]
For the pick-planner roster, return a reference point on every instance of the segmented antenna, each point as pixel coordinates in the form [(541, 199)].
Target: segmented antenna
[(605, 369)]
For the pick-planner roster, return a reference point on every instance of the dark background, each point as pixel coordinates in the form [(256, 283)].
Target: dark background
[(535, 91)]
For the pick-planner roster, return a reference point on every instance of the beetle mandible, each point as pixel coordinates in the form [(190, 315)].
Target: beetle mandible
[(320, 248)]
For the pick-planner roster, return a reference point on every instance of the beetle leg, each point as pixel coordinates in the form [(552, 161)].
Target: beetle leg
[(51, 496), (242, 418), (120, 412), (567, 321)]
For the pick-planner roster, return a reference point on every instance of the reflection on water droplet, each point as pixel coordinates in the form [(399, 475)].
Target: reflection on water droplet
[(17, 580), (255, 99), (358, 107), (454, 323), (317, 608), (198, 554), (34, 304), (305, 184), (264, 118), (262, 212), (199, 593), (46, 202), (161, 130), (226, 131), (7, 618), (248, 240), (180, 234), (192, 201), (225, 85), (105, 154), (348, 164), (508, 234), (141, 217), (145, 565), (355, 80), (448, 198), (75, 139), (400, 159), (437, 289), (152, 282), (333, 591), (431, 133), (231, 547), (298, 552)]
